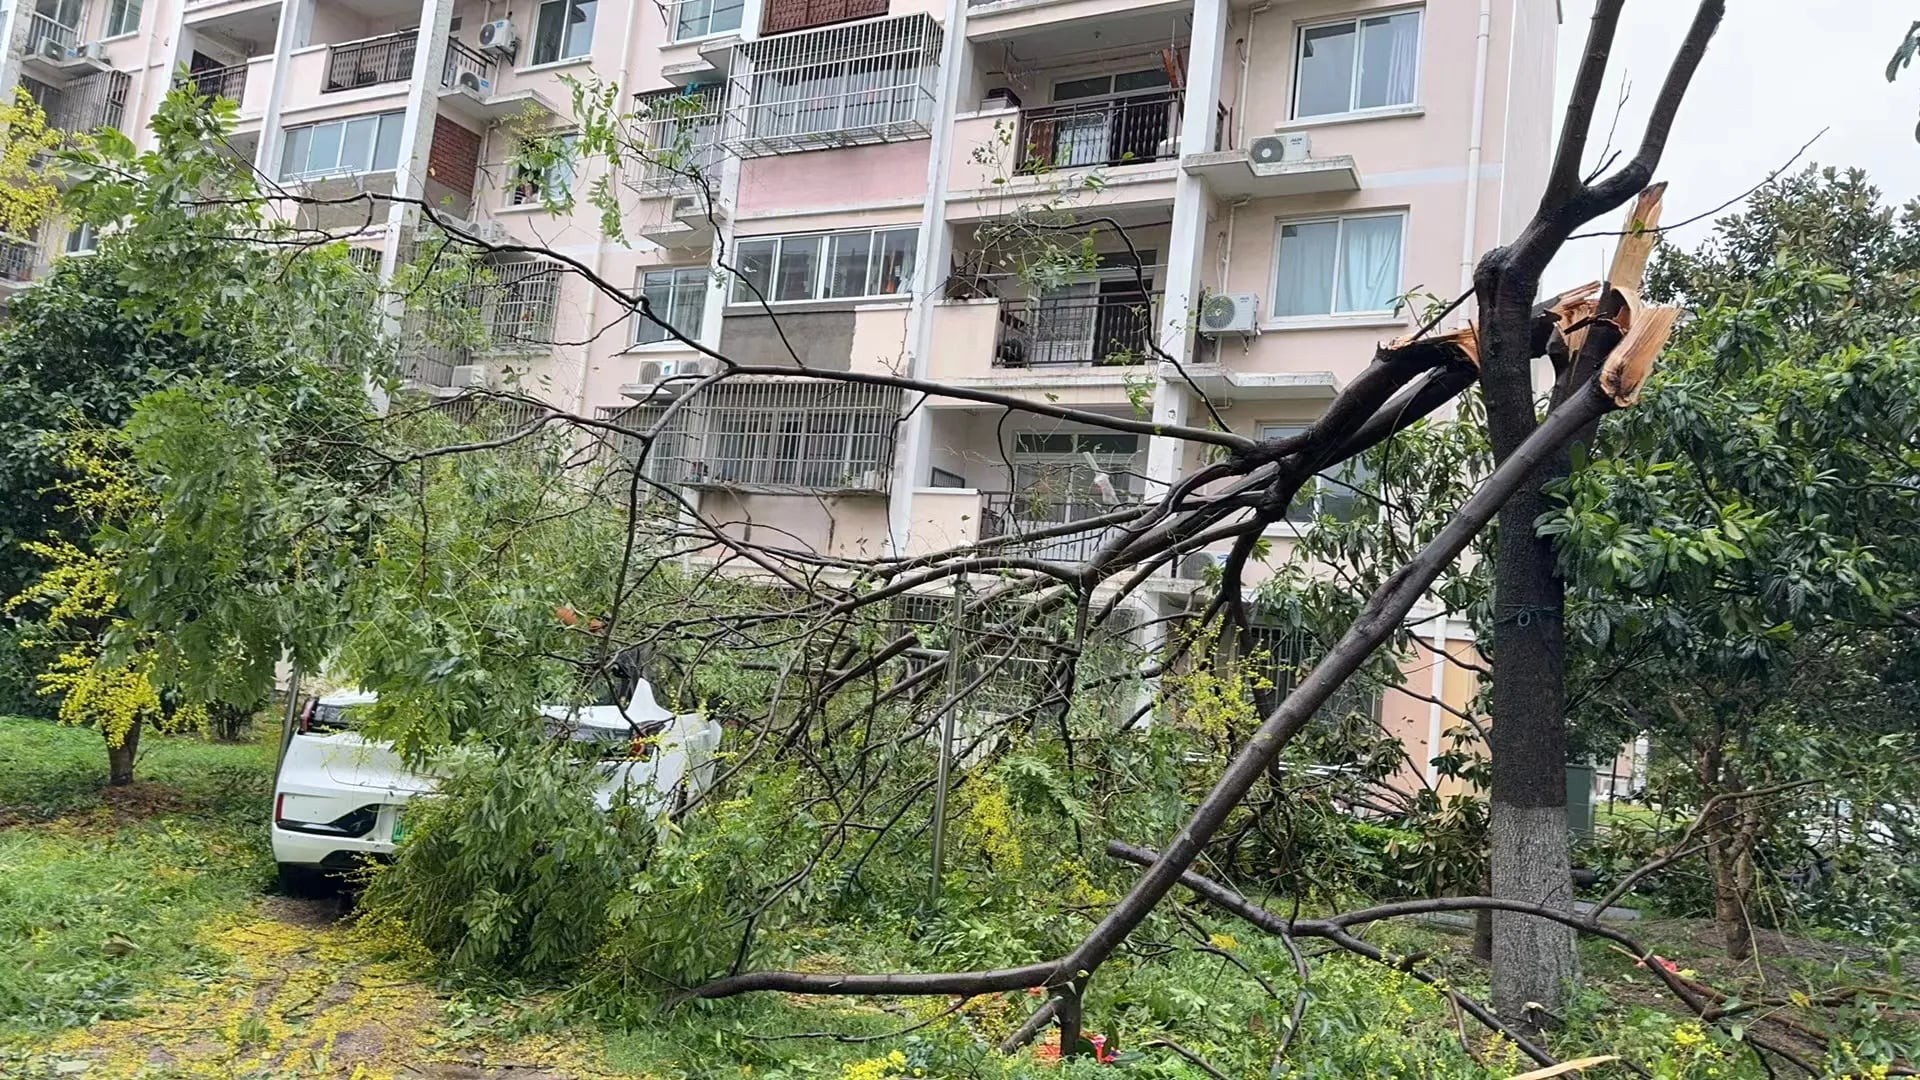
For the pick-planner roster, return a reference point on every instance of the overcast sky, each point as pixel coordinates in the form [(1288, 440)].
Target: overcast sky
[(1777, 72)]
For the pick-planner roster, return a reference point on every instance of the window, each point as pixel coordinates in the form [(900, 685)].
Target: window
[(356, 145), (563, 29), (697, 18), (1337, 265), (833, 266), (1357, 64), (683, 138), (81, 239), (677, 298), (543, 170), (123, 17), (1334, 493)]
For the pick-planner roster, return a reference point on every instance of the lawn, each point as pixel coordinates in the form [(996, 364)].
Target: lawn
[(140, 939)]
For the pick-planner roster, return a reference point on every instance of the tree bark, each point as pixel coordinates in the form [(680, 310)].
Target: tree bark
[(1730, 844), (120, 758)]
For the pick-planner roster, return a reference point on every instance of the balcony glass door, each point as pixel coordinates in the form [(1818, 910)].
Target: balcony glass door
[(1105, 119)]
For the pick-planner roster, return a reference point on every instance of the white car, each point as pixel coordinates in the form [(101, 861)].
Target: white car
[(340, 798)]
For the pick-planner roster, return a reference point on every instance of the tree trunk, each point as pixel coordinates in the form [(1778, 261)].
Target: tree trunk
[(120, 758), (1534, 961), (1730, 845)]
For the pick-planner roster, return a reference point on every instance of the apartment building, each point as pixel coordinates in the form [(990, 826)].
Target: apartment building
[(1270, 178)]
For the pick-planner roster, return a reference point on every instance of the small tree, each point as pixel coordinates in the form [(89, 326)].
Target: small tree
[(1742, 549)]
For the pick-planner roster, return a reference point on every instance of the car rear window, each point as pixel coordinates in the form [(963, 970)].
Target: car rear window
[(325, 717)]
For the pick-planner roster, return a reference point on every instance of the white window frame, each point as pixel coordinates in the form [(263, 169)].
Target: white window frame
[(560, 55), (1353, 84), (641, 324), (526, 189), (1365, 315), (738, 295), (381, 119), (125, 10), (674, 8), (82, 239), (1279, 429)]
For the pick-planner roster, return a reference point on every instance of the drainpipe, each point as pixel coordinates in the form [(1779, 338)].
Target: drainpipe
[(1246, 64), (929, 276), (1471, 216), (594, 296)]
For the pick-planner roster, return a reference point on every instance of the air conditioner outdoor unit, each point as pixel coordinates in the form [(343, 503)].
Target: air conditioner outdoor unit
[(473, 83), (872, 480), (466, 376), (488, 232), (1281, 149), (53, 50), (1230, 313), (669, 378), (1195, 566), (92, 50), (500, 36)]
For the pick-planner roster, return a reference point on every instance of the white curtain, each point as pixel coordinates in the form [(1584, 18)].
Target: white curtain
[(1389, 56), (1304, 283), (1369, 263)]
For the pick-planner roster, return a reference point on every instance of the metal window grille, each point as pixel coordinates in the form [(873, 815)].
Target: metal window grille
[(463, 61), (848, 85), (1019, 662), (1291, 652), (384, 59), (96, 101), (518, 302), (221, 82), (17, 259), (683, 138), (779, 435), (665, 462), (364, 259), (43, 28), (495, 418)]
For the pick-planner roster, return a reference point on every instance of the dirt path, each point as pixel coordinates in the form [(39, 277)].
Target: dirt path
[(298, 996)]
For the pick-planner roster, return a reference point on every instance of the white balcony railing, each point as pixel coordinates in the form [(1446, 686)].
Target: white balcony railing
[(43, 28), (866, 82), (786, 435)]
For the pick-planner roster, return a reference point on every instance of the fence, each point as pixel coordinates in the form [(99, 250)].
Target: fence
[(1020, 514), (462, 60), (43, 28), (1110, 131), (1105, 328), (221, 82), (370, 62)]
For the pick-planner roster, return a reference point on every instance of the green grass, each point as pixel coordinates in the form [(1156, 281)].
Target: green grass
[(102, 891)]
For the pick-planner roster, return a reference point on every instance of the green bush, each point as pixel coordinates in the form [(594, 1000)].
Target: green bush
[(18, 697), (510, 867)]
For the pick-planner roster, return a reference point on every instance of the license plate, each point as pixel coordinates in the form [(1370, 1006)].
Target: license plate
[(399, 827)]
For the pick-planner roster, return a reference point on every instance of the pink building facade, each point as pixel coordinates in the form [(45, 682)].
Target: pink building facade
[(1271, 187)]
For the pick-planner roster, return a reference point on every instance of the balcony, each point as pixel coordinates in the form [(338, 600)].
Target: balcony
[(683, 140), (1108, 329), (845, 86), (1106, 132), (50, 38), (784, 16), (369, 62), (228, 82)]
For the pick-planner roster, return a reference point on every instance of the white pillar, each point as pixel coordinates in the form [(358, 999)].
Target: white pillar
[(1191, 204), (296, 21), (416, 130), (929, 276)]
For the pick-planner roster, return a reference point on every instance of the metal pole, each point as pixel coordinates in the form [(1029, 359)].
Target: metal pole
[(946, 747), (288, 719)]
